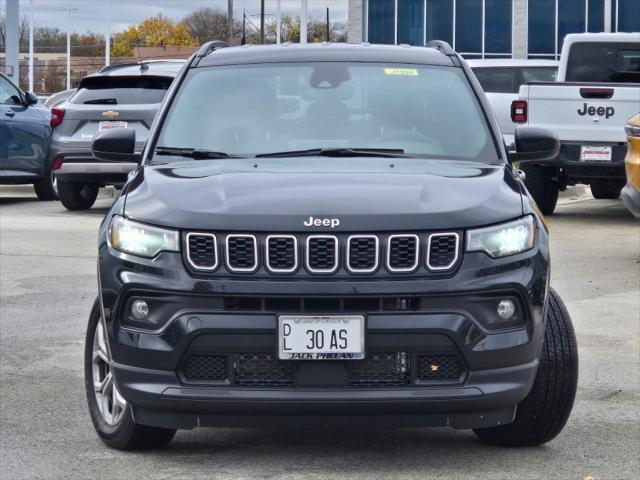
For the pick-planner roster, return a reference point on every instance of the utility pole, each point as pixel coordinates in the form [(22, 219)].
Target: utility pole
[(107, 37), (244, 28), (12, 56), (304, 18), (262, 22), (279, 23), (31, 46), (230, 18), (328, 36)]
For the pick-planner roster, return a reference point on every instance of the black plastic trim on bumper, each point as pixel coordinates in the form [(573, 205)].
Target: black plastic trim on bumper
[(160, 400)]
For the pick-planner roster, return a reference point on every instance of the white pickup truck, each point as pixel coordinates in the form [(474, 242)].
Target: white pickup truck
[(596, 91)]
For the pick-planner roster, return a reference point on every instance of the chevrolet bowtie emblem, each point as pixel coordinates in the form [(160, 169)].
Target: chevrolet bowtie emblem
[(110, 114)]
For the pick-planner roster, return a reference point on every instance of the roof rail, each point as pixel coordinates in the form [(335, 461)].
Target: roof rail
[(206, 49), (442, 46), (445, 49)]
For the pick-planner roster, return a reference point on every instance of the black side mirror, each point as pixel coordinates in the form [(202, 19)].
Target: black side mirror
[(30, 98), (534, 145), (117, 145)]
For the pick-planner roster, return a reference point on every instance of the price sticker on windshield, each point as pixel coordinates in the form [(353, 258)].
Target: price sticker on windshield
[(412, 72)]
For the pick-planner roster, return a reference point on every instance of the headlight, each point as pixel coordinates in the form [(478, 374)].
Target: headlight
[(504, 239), (140, 239)]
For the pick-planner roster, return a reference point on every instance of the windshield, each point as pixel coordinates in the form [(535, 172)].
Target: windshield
[(426, 111)]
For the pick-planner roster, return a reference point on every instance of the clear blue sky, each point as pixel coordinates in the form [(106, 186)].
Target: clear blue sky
[(91, 14)]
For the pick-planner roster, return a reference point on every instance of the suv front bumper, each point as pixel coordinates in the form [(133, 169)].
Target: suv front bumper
[(222, 316)]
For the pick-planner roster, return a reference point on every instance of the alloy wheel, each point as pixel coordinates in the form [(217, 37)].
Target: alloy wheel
[(110, 403)]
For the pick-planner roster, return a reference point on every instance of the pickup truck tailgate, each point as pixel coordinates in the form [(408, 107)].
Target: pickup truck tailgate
[(581, 111)]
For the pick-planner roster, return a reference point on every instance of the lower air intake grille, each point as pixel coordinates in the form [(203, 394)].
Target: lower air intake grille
[(443, 251), (380, 370), (205, 367), (263, 370), (438, 367), (376, 370)]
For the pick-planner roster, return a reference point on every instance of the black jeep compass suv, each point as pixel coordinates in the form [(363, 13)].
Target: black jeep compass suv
[(327, 232)]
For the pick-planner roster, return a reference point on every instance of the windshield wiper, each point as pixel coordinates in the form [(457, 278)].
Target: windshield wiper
[(337, 152), (195, 153)]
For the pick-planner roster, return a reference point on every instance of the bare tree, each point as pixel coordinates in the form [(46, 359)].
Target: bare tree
[(207, 24), (23, 31)]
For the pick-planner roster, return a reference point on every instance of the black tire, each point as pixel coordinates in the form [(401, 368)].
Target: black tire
[(46, 187), (77, 196), (125, 434), (606, 190), (542, 187), (545, 410)]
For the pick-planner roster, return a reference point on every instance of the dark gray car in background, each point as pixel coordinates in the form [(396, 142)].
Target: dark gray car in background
[(119, 96)]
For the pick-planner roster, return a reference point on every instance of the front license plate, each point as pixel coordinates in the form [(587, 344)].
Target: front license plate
[(111, 125), (595, 154), (321, 337)]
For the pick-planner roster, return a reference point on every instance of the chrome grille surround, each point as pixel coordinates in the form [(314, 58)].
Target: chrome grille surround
[(336, 254), (377, 254), (208, 268), (267, 255), (413, 267), (236, 269), (433, 236)]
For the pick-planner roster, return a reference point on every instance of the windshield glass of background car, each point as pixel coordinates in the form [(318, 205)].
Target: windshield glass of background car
[(603, 62), (251, 109), (107, 90)]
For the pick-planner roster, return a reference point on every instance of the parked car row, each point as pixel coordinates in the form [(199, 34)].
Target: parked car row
[(49, 145)]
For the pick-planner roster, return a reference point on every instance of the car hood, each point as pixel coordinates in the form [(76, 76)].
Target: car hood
[(364, 194)]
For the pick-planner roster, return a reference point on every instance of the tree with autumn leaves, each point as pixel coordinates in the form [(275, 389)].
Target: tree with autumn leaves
[(156, 31)]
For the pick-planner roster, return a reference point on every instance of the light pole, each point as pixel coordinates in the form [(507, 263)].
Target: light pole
[(31, 46), (107, 36), (69, 10)]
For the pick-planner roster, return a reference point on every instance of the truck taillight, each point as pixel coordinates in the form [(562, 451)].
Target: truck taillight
[(57, 163), (57, 114), (519, 111)]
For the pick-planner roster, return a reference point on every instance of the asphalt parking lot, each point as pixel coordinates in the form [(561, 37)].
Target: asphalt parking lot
[(47, 286)]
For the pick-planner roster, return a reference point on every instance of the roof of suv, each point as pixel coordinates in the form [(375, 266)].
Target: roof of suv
[(168, 68), (325, 52)]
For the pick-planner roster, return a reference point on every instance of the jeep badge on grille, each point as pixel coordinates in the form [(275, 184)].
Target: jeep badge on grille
[(322, 222)]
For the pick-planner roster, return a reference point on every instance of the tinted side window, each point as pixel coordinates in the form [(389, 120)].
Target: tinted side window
[(538, 74), (9, 95), (604, 62), (497, 80), (121, 90)]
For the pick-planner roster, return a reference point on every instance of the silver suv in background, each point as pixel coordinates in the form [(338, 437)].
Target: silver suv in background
[(501, 79), (119, 96)]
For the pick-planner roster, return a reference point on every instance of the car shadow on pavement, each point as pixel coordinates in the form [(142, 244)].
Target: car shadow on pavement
[(17, 199), (336, 450)]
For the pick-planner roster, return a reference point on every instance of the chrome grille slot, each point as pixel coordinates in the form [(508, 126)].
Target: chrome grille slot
[(442, 251), (322, 253), (362, 253), (281, 253), (202, 251), (242, 253), (403, 253)]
